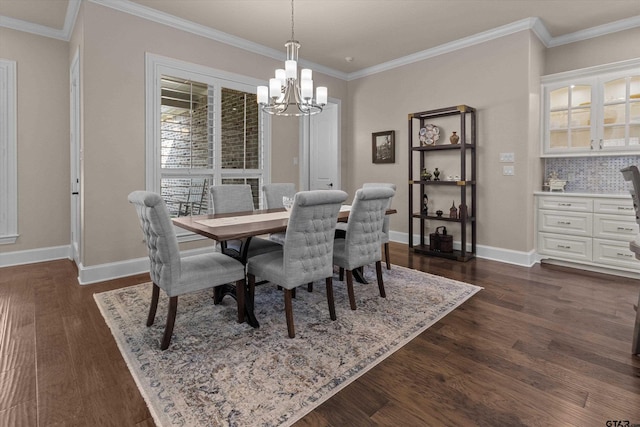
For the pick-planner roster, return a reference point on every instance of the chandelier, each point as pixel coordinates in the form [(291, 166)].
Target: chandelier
[(288, 95)]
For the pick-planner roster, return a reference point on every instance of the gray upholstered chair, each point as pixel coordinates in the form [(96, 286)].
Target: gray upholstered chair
[(385, 225), (342, 226), (178, 275), (230, 198), (362, 241), (307, 253), (274, 192), (632, 174)]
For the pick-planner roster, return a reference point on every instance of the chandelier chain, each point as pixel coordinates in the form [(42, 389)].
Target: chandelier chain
[(292, 37)]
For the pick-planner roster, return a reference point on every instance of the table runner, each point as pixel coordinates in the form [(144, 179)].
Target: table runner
[(248, 219)]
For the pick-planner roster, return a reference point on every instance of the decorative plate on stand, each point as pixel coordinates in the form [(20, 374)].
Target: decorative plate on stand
[(431, 134)]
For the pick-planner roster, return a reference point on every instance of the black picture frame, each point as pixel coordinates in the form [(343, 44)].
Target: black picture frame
[(383, 147)]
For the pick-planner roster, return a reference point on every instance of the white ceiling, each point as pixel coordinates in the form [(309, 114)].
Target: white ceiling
[(372, 32)]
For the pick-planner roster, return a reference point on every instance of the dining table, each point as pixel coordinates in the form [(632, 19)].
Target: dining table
[(244, 226)]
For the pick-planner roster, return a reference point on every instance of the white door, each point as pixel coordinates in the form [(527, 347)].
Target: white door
[(75, 159), (320, 168)]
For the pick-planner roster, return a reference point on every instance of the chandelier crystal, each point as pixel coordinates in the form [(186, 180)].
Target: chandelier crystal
[(288, 95)]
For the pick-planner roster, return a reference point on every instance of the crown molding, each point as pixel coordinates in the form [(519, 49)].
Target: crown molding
[(505, 30), (41, 30), (533, 24), (210, 33), (600, 30)]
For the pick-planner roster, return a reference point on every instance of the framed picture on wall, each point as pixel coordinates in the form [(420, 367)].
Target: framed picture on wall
[(383, 147)]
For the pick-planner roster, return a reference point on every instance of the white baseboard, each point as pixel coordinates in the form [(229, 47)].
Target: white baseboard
[(526, 259), (114, 270), (32, 256)]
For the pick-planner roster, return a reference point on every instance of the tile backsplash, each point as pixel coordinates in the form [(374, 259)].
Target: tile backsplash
[(592, 174)]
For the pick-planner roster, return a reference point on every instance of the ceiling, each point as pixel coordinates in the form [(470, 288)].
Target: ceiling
[(371, 32)]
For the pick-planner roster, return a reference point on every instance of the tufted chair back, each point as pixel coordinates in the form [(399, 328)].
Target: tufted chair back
[(308, 242), (385, 224), (363, 235), (273, 193), (164, 253), (307, 253), (229, 198)]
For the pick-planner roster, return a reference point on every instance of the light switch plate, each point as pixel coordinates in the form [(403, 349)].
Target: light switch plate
[(507, 157)]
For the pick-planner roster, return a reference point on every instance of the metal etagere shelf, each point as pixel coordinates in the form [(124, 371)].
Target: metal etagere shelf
[(466, 181)]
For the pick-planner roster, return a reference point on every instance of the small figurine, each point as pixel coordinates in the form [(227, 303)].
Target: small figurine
[(453, 212), (425, 175), (425, 201), (436, 174), (439, 213), (462, 211)]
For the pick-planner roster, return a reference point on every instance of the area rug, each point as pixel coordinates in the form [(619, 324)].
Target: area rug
[(217, 372)]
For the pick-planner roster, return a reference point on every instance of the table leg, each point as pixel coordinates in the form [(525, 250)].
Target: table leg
[(358, 274)]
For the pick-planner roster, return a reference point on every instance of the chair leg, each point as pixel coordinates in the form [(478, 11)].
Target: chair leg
[(171, 319), (341, 274), (386, 255), (288, 309), (154, 304), (330, 301), (352, 297), (635, 344), (310, 287), (241, 289), (379, 276)]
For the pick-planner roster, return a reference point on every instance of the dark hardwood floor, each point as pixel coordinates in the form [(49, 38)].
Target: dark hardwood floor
[(543, 346)]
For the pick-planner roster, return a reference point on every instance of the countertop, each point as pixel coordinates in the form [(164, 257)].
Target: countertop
[(592, 195)]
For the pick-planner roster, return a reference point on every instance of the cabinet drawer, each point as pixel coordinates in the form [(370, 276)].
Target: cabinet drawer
[(616, 253), (614, 206), (559, 203), (574, 223), (570, 247), (615, 227)]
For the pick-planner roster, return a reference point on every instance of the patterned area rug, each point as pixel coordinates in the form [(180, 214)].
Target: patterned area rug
[(217, 372)]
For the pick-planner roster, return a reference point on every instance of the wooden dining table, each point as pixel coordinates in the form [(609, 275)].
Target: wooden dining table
[(244, 226)]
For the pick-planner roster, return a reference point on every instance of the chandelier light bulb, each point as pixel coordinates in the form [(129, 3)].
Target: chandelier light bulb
[(321, 95), (281, 75), (274, 88)]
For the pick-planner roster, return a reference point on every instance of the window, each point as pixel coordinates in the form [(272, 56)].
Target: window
[(8, 154), (203, 128)]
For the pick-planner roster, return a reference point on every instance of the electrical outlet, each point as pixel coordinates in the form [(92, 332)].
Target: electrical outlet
[(508, 171)]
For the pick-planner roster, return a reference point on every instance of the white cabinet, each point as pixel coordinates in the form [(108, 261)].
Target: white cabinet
[(594, 111), (592, 230)]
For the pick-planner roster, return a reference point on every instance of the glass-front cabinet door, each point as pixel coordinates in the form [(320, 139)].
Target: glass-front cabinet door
[(621, 113), (592, 113), (570, 117)]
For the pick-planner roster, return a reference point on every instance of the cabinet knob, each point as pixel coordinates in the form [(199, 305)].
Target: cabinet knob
[(564, 247), (564, 222)]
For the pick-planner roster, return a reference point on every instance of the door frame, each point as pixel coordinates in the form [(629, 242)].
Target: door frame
[(75, 160)]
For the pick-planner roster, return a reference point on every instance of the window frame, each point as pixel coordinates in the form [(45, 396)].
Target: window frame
[(156, 66), (9, 156)]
